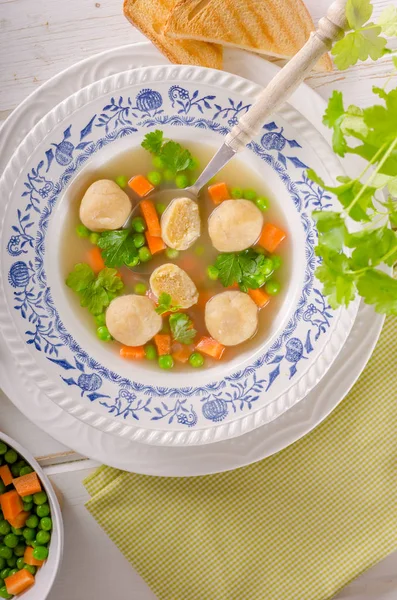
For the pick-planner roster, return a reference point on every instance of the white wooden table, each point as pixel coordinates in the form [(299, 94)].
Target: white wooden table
[(39, 38)]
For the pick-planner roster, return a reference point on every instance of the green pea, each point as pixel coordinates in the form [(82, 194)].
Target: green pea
[(32, 522), (138, 224), (104, 334), (212, 272), (150, 351), (154, 177), (99, 320), (2, 487), (3, 448), (11, 456), (267, 267), (2, 563), (262, 203), (140, 288), (160, 207), (122, 181), (139, 240), (20, 563), (236, 193), (166, 361), (158, 162), (25, 471), (277, 261), (43, 510), (199, 250), (181, 181), (4, 573), (11, 562), (17, 531), (272, 287), (171, 253), (82, 231), (259, 279), (31, 569), (19, 550), (250, 195), (196, 360), (43, 537), (15, 468), (168, 175), (94, 238), (4, 593), (144, 254), (5, 552), (11, 540), (40, 553), (27, 506), (46, 523), (194, 164), (29, 534), (134, 262), (5, 527), (13, 571)]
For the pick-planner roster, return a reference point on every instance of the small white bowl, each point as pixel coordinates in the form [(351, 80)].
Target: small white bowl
[(46, 575)]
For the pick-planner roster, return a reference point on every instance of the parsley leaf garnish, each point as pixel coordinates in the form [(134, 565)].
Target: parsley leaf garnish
[(239, 267), (95, 292), (118, 247), (153, 141), (164, 304), (174, 157), (182, 328), (379, 289)]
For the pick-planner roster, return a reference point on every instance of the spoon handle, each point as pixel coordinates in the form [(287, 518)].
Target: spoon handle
[(330, 28)]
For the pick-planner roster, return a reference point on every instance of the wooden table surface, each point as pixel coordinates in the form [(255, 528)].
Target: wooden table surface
[(39, 38)]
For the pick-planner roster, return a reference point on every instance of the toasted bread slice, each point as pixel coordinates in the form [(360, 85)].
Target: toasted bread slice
[(273, 27), (150, 17)]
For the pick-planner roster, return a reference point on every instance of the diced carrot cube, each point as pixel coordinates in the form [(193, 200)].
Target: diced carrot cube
[(19, 521), (11, 504), (155, 244), (260, 297), (19, 582), (29, 559), (27, 485), (211, 347), (181, 352), (132, 352), (95, 259), (140, 185), (6, 475), (151, 217), (218, 192), (271, 237), (163, 343)]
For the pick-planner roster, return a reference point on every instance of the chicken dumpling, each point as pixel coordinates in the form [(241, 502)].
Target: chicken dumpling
[(235, 225), (231, 317), (104, 206), (171, 279), (132, 320), (180, 223)]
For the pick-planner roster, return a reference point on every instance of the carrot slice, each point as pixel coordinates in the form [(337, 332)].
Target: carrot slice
[(259, 297), (19, 582), (29, 559), (181, 352), (6, 475), (218, 192), (155, 244), (27, 485), (20, 520), (211, 347), (163, 343), (95, 259), (132, 352), (140, 185), (150, 214), (11, 504), (271, 237)]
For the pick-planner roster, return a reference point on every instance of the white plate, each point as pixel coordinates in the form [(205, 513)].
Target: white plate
[(200, 460), (86, 378)]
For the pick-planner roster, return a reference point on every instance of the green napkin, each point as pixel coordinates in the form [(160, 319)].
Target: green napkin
[(296, 526)]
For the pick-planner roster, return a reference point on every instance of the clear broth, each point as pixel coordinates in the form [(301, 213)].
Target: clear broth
[(194, 260)]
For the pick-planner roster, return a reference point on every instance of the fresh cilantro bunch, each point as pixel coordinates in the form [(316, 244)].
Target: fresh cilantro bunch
[(165, 305), (182, 328), (117, 247), (95, 291), (173, 156), (243, 268), (365, 39)]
